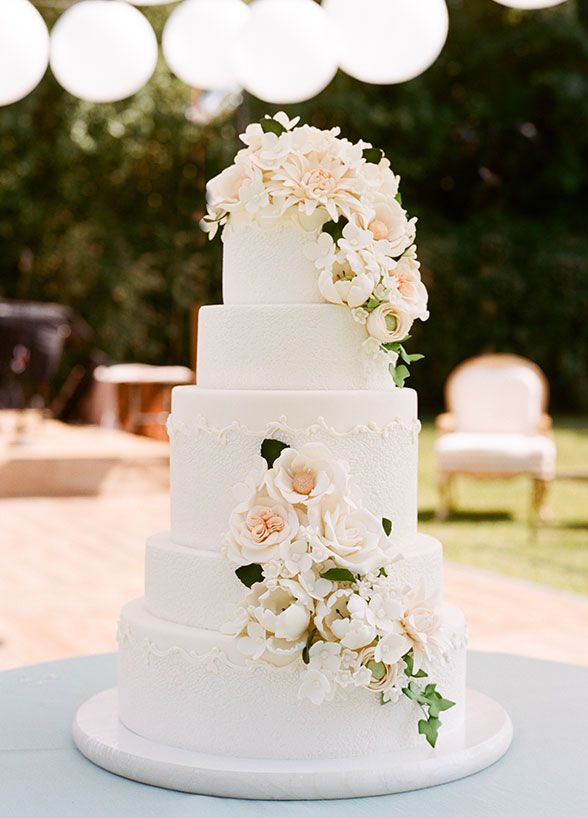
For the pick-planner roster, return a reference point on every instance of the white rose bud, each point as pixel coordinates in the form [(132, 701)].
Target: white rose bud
[(389, 322)]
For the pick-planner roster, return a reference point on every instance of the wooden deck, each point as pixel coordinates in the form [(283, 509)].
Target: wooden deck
[(49, 458), (68, 564)]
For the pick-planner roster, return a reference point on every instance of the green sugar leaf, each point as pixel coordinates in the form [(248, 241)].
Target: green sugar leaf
[(399, 374), (250, 574), (430, 729), (409, 359), (398, 198), (271, 450), (392, 346), (269, 125), (387, 526), (339, 575), (306, 648)]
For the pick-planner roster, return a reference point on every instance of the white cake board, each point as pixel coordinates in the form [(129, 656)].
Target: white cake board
[(101, 737)]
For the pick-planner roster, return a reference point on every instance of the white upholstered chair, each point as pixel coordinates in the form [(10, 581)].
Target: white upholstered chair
[(496, 426)]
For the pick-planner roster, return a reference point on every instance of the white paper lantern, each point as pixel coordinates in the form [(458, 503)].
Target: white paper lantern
[(287, 51), (530, 4), (24, 49), (388, 41), (199, 39), (103, 50)]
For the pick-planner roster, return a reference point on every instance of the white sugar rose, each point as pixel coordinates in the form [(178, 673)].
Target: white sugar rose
[(306, 475), (381, 678), (405, 278), (389, 322), (259, 527), (422, 626), (345, 617), (389, 223), (353, 537)]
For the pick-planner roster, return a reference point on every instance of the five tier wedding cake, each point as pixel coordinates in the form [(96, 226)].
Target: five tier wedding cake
[(293, 612)]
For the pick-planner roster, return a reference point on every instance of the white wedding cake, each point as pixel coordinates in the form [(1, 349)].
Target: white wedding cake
[(293, 611)]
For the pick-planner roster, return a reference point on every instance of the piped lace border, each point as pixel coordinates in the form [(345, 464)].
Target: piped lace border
[(200, 425)]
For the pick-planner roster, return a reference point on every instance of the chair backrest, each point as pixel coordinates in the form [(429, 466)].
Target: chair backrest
[(497, 393)]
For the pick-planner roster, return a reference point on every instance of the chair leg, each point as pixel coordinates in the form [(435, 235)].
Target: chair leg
[(445, 496), (539, 511)]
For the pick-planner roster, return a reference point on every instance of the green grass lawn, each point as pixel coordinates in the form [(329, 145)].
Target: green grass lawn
[(490, 528)]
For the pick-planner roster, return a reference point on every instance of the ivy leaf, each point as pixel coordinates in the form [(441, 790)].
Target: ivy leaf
[(373, 155), (439, 704), (409, 359), (372, 304), (269, 125), (392, 346), (271, 450), (399, 374), (408, 660), (306, 648), (339, 575), (430, 729), (387, 526), (250, 574), (429, 698)]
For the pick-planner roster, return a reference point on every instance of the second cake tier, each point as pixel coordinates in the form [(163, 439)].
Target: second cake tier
[(216, 437)]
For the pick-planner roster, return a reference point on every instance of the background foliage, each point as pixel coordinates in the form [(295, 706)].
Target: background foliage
[(99, 204)]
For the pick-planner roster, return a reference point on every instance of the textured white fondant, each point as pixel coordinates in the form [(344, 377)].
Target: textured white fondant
[(285, 346), (199, 588), (266, 264), (191, 688), (376, 433)]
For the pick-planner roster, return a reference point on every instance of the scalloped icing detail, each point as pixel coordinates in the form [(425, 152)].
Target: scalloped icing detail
[(215, 659), (201, 425)]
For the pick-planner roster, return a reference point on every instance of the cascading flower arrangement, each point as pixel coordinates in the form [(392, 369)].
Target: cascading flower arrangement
[(362, 241), (320, 569)]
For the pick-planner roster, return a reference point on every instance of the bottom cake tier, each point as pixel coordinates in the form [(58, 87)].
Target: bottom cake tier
[(191, 688)]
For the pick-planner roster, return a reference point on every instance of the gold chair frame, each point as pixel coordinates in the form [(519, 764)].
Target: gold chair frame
[(445, 423)]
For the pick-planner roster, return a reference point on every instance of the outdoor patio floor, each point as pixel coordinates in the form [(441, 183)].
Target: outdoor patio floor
[(69, 564)]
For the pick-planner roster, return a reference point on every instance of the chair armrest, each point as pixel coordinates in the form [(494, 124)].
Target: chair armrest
[(545, 424), (445, 423)]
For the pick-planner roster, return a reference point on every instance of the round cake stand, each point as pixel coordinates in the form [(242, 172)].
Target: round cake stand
[(101, 737)]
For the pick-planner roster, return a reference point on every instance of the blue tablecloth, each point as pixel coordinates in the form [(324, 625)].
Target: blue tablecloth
[(544, 774)]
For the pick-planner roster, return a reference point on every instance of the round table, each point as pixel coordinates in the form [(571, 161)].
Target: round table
[(543, 775)]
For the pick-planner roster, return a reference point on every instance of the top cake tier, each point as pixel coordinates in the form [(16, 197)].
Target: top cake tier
[(268, 265)]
